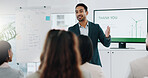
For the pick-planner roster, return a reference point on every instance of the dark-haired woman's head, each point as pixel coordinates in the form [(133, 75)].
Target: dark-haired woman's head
[(86, 48), (52, 33), (5, 52), (61, 55)]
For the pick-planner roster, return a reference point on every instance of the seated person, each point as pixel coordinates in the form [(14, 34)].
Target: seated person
[(6, 56), (86, 51), (138, 67), (60, 57)]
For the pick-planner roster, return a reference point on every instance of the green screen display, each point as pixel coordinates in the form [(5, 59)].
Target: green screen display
[(126, 25)]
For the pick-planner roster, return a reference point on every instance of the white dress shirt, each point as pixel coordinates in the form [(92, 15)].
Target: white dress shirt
[(84, 31)]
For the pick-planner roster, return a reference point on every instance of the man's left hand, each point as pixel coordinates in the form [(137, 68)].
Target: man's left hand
[(107, 32)]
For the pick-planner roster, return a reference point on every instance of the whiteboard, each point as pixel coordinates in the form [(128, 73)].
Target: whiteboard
[(32, 26)]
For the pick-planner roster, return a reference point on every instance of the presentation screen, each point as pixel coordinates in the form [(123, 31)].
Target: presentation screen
[(127, 25)]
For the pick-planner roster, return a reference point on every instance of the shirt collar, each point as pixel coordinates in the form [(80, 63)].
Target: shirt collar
[(81, 26)]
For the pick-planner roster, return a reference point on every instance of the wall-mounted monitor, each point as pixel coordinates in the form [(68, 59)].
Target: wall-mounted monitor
[(127, 25)]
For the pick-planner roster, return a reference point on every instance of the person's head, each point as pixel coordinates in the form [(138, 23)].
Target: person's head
[(86, 48), (81, 12), (5, 52), (61, 58), (52, 33)]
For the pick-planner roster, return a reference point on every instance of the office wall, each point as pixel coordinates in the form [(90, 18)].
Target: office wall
[(139, 3), (10, 6), (57, 6), (61, 6)]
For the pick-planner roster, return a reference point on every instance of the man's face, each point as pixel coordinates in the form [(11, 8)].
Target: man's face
[(81, 13)]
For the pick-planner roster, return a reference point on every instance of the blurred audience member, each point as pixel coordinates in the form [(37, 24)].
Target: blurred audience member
[(6, 56), (138, 67), (60, 57), (86, 51)]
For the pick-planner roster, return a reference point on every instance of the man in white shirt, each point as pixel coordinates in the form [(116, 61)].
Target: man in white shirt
[(94, 31)]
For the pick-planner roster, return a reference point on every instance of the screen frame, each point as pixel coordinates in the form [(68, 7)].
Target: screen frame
[(125, 40)]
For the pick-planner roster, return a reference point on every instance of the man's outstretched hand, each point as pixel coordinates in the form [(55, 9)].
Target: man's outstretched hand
[(107, 32)]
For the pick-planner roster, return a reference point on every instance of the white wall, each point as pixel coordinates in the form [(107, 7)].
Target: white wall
[(62, 6), (10, 6), (139, 3), (57, 6)]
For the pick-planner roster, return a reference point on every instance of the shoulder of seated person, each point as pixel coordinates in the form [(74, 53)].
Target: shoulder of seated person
[(94, 65), (34, 75)]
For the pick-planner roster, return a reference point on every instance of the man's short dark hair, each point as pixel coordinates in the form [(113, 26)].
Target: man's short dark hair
[(83, 5)]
